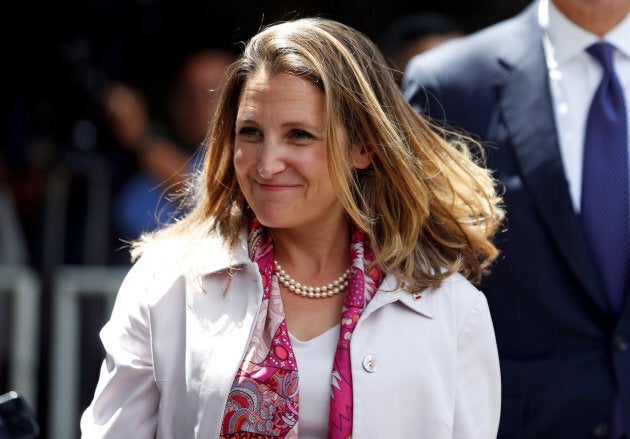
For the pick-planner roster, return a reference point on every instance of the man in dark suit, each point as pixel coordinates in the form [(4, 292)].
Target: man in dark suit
[(524, 88)]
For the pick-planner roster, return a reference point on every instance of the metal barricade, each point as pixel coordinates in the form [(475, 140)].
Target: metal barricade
[(71, 284), (23, 286)]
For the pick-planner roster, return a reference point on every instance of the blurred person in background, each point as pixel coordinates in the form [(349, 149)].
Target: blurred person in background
[(414, 34), (166, 159)]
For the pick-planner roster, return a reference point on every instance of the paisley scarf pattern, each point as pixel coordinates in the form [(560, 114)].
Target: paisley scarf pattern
[(264, 400)]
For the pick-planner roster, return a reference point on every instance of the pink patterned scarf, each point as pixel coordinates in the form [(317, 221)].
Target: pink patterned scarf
[(264, 399)]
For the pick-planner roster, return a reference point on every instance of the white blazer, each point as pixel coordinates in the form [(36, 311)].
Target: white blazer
[(423, 366)]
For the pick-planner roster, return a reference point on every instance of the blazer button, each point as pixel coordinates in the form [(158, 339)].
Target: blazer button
[(621, 343), (601, 430), (370, 364)]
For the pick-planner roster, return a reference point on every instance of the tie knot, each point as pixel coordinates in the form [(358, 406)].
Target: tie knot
[(603, 52)]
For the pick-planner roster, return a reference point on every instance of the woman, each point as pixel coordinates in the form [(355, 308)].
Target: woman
[(327, 211)]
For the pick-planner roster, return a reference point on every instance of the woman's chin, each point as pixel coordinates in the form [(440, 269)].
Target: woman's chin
[(274, 221)]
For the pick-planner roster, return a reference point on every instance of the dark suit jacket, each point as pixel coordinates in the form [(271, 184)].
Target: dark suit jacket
[(564, 354)]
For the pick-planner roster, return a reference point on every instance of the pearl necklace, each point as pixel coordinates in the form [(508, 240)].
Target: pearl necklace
[(336, 287)]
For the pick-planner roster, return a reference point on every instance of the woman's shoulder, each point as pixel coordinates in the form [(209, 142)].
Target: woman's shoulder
[(165, 261), (456, 284), (190, 254), (459, 296)]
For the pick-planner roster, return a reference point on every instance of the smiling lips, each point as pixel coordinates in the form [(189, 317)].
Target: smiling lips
[(275, 187)]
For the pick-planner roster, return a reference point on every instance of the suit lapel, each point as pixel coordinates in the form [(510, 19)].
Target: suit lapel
[(529, 117)]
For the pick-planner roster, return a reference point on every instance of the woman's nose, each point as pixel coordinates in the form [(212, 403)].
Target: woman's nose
[(270, 159)]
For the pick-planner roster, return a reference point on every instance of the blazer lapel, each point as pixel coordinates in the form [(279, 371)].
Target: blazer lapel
[(218, 327), (530, 121)]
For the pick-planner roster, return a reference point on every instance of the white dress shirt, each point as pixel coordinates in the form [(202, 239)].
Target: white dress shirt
[(573, 78)]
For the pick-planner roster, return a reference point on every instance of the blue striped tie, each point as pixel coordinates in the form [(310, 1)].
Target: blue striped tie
[(605, 187)]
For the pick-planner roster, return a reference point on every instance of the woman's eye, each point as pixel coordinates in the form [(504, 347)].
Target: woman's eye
[(248, 132), (301, 135)]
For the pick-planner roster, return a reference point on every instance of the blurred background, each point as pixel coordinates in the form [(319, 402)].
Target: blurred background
[(102, 108)]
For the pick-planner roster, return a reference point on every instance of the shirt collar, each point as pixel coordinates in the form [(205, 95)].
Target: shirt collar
[(569, 40), (392, 290), (620, 36)]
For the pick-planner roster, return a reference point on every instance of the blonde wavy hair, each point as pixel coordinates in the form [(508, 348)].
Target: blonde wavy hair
[(428, 205)]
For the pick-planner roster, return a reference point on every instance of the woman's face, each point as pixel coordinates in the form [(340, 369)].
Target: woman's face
[(280, 153)]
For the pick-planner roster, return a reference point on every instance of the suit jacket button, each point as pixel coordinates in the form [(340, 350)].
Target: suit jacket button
[(601, 430), (369, 363), (621, 343)]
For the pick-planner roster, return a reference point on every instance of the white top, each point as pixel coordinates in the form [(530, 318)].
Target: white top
[(573, 78), (315, 361)]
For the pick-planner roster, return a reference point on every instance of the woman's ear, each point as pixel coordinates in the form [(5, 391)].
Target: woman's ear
[(362, 157)]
